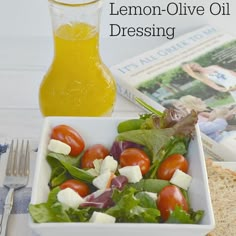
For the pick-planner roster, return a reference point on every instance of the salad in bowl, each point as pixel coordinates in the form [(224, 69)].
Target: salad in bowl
[(120, 170)]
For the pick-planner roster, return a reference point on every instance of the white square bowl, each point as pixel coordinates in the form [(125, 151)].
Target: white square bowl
[(103, 130)]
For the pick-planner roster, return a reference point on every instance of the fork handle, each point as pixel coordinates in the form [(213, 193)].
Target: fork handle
[(6, 212)]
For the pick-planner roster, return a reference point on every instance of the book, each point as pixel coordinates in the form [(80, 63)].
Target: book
[(194, 71)]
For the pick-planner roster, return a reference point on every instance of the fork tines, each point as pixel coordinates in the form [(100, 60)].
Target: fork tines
[(18, 159)]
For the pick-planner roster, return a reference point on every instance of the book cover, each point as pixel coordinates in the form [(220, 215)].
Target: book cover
[(195, 71)]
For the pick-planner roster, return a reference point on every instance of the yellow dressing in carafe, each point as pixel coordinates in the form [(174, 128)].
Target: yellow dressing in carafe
[(77, 83)]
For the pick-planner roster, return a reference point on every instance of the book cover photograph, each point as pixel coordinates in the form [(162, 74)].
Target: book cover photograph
[(197, 71)]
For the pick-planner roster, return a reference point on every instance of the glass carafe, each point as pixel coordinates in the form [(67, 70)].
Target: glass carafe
[(77, 82)]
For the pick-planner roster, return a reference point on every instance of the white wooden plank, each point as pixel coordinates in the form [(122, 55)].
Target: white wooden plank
[(25, 53), (28, 122), (19, 89), (20, 123)]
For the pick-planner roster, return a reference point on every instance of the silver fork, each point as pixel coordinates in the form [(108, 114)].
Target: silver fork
[(17, 174)]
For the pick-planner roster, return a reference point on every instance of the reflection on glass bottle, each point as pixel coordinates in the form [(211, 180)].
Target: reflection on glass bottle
[(77, 82)]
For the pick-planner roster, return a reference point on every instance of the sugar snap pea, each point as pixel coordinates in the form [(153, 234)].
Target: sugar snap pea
[(127, 125), (151, 185)]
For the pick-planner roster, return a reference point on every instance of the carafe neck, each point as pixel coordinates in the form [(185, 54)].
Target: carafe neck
[(76, 40), (75, 26)]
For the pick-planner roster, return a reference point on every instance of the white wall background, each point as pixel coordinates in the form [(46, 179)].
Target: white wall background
[(30, 18)]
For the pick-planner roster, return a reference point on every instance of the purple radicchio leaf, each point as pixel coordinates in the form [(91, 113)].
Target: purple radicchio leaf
[(119, 182), (119, 146), (103, 200)]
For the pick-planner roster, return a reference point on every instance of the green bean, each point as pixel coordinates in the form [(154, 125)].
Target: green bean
[(151, 185), (127, 125)]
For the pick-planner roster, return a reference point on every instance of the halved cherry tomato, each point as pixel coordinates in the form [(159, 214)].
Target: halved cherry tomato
[(170, 197), (68, 135), (97, 151), (135, 156), (170, 165), (78, 186)]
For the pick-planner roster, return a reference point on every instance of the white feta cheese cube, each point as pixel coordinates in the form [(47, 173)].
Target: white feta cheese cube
[(59, 147), (133, 173), (69, 198), (92, 171), (152, 195), (181, 179), (103, 180), (99, 217), (97, 165), (109, 164)]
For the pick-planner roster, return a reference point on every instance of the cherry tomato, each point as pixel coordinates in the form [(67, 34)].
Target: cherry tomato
[(78, 186), (97, 151), (170, 165), (68, 135), (170, 197), (135, 156)]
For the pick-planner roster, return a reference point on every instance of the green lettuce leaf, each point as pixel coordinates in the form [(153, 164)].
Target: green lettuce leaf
[(179, 216), (153, 139), (145, 200), (70, 165), (58, 176), (44, 212), (129, 208), (79, 215), (174, 145), (52, 196), (74, 161)]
